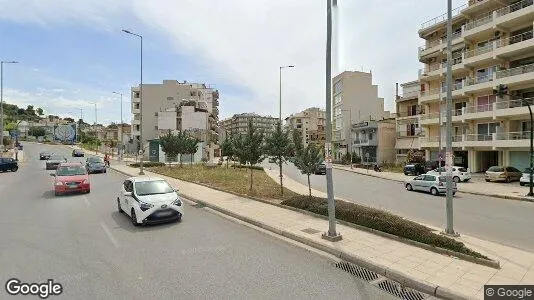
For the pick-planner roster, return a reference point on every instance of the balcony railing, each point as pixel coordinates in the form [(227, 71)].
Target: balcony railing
[(478, 137), (516, 71), (432, 67), (514, 7), (479, 108), (410, 94), (520, 135), (479, 22), (479, 79), (473, 2), (456, 86), (514, 39), (429, 92), (514, 103), (407, 134), (443, 17), (479, 51)]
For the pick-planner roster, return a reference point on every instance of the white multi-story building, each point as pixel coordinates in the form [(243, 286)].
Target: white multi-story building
[(238, 124), (492, 45), (354, 100), (175, 105), (408, 130)]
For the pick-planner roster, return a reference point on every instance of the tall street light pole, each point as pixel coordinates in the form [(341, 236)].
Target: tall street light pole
[(280, 124), (332, 234), (449, 203), (531, 171), (2, 100), (140, 103), (122, 129)]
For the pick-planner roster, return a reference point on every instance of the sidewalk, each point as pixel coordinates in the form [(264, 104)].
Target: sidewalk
[(427, 271), (511, 191)]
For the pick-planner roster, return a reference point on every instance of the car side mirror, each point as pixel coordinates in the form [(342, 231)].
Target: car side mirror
[(127, 193), (52, 174)]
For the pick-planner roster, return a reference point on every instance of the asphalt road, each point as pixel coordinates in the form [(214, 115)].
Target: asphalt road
[(82, 242), (507, 222)]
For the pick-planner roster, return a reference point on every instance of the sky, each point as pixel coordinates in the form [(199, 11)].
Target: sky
[(73, 54)]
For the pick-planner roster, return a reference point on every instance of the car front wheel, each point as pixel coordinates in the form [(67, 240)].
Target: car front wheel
[(409, 187), (14, 169), (456, 179), (434, 191), (134, 218)]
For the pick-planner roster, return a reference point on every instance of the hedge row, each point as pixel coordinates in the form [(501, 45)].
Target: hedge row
[(381, 221), (248, 167), (148, 164)]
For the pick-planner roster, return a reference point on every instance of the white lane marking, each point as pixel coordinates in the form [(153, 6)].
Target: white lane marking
[(86, 201), (110, 235)]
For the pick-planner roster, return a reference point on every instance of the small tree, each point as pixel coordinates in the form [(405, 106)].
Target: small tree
[(279, 145), (415, 156), (240, 148), (36, 131), (307, 161), (253, 142), (191, 147), (227, 149), (181, 145), (169, 145)]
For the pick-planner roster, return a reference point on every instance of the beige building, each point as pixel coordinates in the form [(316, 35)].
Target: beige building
[(175, 100), (407, 120), (492, 45), (238, 124), (374, 141), (354, 99), (311, 123)]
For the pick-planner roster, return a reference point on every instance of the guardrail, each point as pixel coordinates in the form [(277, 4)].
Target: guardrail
[(443, 17), (515, 39), (479, 51), (479, 22), (519, 135), (515, 71), (514, 103), (514, 7)]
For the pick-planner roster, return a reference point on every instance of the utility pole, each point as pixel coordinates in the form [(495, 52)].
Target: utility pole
[(122, 129), (2, 101), (332, 235), (449, 204), (280, 124)]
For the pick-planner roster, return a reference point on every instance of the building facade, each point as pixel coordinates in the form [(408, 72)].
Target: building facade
[(408, 111), (238, 124), (311, 123), (492, 45), (374, 141), (354, 99), (175, 101)]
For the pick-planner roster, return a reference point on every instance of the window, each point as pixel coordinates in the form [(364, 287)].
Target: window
[(136, 94), (486, 130), (338, 99), (485, 103), (155, 114), (429, 178), (338, 87), (337, 111), (371, 136)]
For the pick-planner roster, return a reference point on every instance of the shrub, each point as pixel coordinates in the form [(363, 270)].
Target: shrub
[(148, 164), (381, 221)]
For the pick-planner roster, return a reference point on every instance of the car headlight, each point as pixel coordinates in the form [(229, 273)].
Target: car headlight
[(59, 183), (85, 181), (177, 202), (145, 206)]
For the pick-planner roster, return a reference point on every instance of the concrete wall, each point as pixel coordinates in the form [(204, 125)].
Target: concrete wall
[(167, 120), (386, 141), (192, 119)]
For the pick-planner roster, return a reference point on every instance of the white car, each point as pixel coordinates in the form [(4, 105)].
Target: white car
[(149, 200), (525, 178), (459, 174)]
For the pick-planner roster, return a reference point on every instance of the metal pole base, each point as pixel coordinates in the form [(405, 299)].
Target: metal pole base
[(141, 173), (530, 195), (454, 234), (335, 238)]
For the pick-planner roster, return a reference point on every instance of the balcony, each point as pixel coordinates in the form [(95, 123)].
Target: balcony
[(511, 108), (478, 26), (430, 95), (365, 142), (136, 111), (516, 76), (136, 122), (515, 45), (439, 21), (438, 45), (479, 83), (479, 56), (478, 111), (477, 6), (515, 14), (136, 133)]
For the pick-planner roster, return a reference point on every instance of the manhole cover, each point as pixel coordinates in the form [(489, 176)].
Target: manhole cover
[(311, 231)]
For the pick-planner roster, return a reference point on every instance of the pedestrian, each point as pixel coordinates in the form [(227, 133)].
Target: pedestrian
[(106, 160)]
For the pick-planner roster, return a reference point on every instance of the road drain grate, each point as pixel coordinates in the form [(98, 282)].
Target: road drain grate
[(398, 290), (199, 205), (357, 271)]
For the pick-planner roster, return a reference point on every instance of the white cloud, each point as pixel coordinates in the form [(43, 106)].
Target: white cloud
[(243, 42)]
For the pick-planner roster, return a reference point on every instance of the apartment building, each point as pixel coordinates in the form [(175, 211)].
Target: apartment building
[(311, 123), (354, 99), (492, 45), (408, 110), (238, 124), (175, 100), (374, 141)]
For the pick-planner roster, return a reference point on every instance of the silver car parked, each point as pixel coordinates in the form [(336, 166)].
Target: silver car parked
[(433, 184)]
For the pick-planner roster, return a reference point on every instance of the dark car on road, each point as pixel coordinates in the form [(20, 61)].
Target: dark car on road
[(95, 164), (77, 153), (414, 169), (54, 161), (44, 155), (8, 164), (320, 169)]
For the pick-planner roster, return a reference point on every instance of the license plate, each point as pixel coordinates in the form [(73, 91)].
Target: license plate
[(72, 186), (164, 213)]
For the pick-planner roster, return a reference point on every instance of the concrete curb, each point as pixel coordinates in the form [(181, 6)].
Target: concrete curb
[(507, 197), (402, 278), (406, 280)]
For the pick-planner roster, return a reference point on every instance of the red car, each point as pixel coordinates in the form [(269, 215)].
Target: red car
[(71, 177)]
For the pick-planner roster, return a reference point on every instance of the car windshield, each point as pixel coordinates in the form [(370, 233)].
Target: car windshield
[(462, 169), (57, 157), (95, 160), (443, 178), (144, 188), (527, 170), (496, 169), (45, 153), (70, 171)]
